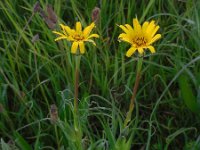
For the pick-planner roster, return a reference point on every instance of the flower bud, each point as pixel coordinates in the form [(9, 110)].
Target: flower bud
[(95, 14), (53, 113)]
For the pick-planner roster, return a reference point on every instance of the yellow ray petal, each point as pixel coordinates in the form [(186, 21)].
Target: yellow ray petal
[(78, 27), (150, 28), (154, 31), (125, 37), (58, 33), (140, 50), (63, 29), (66, 29), (152, 49), (131, 31), (144, 26), (61, 37), (124, 28), (91, 41), (137, 26), (130, 52), (93, 35), (82, 47), (88, 29), (155, 38), (70, 38), (74, 47)]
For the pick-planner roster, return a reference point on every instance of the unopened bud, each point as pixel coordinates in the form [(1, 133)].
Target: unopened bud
[(36, 7), (11, 144), (1, 108), (35, 38), (53, 113), (95, 14), (51, 14), (50, 18)]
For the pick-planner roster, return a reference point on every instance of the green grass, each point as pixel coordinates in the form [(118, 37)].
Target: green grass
[(33, 76)]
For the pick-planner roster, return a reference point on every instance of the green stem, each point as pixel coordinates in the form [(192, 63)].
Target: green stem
[(76, 84), (57, 137), (137, 80), (77, 128)]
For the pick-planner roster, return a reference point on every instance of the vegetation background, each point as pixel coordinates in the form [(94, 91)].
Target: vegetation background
[(37, 77)]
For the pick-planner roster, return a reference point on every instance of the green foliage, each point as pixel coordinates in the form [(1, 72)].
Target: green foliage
[(187, 94), (21, 142), (7, 146), (34, 74)]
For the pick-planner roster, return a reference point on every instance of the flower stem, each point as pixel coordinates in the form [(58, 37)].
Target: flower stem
[(137, 80), (76, 84)]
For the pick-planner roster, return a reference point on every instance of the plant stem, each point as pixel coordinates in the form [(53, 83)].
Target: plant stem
[(76, 84), (137, 80), (57, 137)]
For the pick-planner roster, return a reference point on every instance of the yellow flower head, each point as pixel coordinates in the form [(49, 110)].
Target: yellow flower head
[(140, 37), (77, 36)]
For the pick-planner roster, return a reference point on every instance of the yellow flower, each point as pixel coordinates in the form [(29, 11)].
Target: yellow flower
[(140, 37), (77, 36)]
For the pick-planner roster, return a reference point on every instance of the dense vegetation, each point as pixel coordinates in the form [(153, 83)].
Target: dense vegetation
[(37, 77)]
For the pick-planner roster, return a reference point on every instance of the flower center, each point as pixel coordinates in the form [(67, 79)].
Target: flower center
[(139, 41), (78, 37)]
